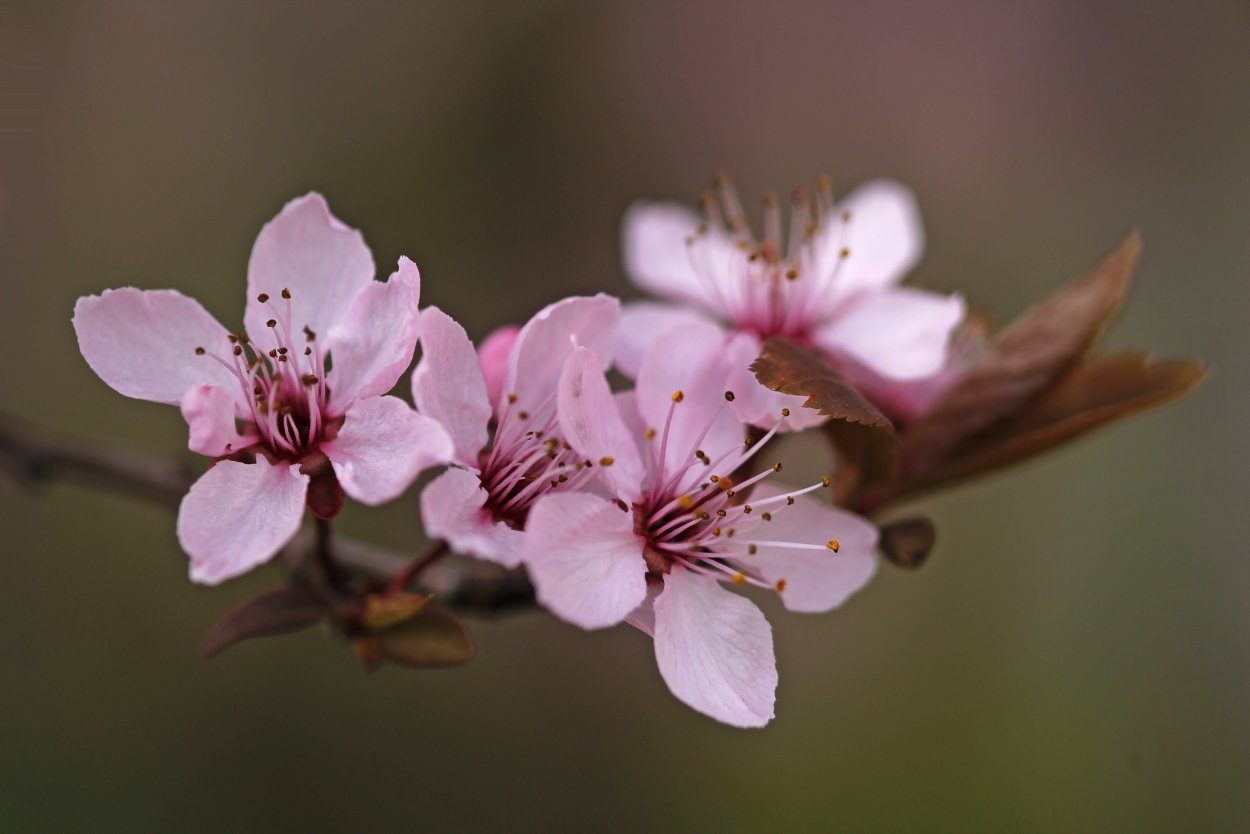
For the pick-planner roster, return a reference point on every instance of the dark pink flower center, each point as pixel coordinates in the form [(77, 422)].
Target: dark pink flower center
[(285, 387), (759, 286)]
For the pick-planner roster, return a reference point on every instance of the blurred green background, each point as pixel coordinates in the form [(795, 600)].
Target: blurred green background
[(1076, 655)]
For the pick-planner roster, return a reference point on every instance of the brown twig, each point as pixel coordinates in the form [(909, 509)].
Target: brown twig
[(32, 459)]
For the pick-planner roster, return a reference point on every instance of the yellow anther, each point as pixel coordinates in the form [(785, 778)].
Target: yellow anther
[(738, 578), (780, 586), (746, 508), (678, 396), (785, 412), (777, 467), (845, 253), (833, 545), (607, 460), (685, 502), (512, 398), (715, 531), (649, 434), (824, 480)]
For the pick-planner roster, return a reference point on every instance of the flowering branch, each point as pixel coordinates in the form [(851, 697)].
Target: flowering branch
[(32, 458)]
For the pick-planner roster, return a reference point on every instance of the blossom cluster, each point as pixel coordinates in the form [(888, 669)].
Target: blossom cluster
[(651, 503)]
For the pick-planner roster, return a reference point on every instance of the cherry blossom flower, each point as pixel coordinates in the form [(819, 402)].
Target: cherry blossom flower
[(833, 285), (682, 523), (293, 409), (480, 505)]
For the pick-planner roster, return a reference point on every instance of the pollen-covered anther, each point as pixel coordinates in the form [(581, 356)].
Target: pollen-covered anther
[(238, 350), (716, 531), (833, 545), (766, 516), (511, 398), (649, 434), (777, 467), (607, 460), (286, 293), (824, 480), (746, 509), (309, 379), (678, 396), (721, 513), (702, 515), (263, 298), (685, 502), (271, 323), (785, 412), (738, 578), (780, 586), (844, 253)]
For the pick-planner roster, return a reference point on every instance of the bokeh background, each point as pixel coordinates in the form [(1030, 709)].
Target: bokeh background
[(1076, 655)]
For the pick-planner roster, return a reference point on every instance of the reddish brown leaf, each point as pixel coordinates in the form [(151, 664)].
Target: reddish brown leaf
[(276, 611), (908, 541), (863, 435), (433, 637), (1099, 391), (1023, 360)]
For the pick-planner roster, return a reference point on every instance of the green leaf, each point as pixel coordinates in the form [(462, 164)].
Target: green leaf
[(432, 637), (276, 611)]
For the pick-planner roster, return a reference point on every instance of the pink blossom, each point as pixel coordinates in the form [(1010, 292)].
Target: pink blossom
[(834, 285), (480, 505), (262, 401), (678, 523)]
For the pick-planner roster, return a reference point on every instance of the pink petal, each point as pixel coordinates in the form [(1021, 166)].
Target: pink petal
[(659, 257), (584, 559), (238, 515), (492, 356), (548, 338), (453, 509), (142, 343), (382, 447), (715, 650), (642, 324), (691, 361), (309, 251), (210, 415), (901, 333), (448, 385), (884, 236), (372, 344), (816, 580), (643, 617), (755, 404), (592, 425)]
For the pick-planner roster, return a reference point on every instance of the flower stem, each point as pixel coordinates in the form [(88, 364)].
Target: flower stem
[(401, 579)]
